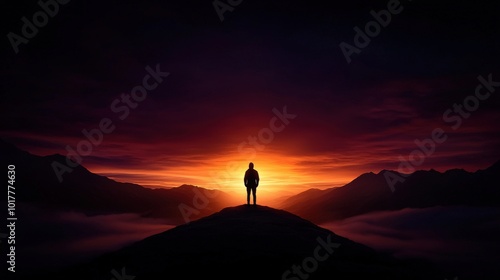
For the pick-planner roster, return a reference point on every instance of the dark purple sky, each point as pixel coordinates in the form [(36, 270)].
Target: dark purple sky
[(226, 78)]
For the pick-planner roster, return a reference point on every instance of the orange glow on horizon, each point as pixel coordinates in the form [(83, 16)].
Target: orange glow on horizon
[(280, 175)]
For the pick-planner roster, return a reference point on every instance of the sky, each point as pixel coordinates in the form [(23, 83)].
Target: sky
[(269, 84)]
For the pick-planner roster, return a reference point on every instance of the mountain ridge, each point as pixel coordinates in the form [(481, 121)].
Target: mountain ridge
[(249, 242), (93, 194), (422, 188)]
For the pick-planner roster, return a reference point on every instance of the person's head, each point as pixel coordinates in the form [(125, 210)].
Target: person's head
[(250, 165)]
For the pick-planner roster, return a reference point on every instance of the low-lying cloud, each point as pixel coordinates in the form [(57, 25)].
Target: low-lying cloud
[(66, 238), (462, 240)]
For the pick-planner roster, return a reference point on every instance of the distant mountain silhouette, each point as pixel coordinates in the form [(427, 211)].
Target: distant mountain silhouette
[(371, 192), (92, 194), (247, 242)]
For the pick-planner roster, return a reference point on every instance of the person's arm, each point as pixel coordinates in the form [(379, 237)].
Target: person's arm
[(245, 179), (257, 179)]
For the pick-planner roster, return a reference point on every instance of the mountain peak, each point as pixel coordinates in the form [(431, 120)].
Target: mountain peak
[(250, 241), (9, 150), (186, 186), (368, 176), (258, 214)]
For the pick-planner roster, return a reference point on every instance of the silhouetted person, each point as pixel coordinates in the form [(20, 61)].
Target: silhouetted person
[(251, 181)]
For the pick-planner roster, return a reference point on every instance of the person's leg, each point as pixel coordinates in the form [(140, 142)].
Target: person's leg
[(254, 191), (248, 195)]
